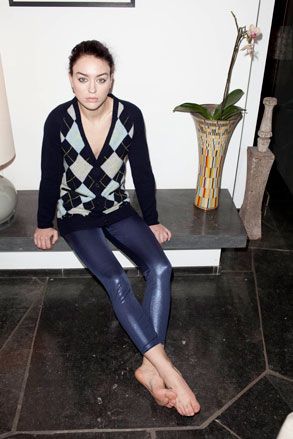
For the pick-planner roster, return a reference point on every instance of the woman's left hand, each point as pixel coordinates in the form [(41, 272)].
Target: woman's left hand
[(161, 232)]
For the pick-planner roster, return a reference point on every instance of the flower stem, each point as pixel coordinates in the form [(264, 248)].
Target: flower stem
[(235, 21), (239, 38)]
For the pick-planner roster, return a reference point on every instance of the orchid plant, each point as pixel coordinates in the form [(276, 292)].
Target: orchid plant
[(227, 108)]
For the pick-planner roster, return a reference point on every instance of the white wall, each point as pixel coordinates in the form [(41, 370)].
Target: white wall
[(167, 52)]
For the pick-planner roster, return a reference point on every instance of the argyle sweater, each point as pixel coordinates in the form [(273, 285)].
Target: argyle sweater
[(87, 191)]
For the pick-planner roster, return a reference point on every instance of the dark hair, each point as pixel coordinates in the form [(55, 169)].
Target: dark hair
[(91, 47)]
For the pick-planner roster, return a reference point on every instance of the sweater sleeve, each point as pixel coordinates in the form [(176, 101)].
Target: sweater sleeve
[(142, 173), (51, 173)]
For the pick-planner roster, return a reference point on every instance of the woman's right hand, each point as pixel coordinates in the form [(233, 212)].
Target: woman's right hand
[(45, 238)]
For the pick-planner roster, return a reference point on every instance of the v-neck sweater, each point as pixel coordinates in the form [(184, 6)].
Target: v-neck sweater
[(85, 191)]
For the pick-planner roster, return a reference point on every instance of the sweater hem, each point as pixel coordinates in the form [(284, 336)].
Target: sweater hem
[(79, 222)]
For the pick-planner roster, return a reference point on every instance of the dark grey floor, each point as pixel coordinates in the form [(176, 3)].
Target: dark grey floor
[(66, 365)]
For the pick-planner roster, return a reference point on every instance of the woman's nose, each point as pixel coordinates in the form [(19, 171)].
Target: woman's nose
[(92, 87)]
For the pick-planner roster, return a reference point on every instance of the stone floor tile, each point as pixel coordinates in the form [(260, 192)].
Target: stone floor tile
[(259, 413), (238, 259), (275, 235), (212, 431), (284, 387), (81, 374), (17, 295), (77, 317), (14, 356), (274, 273)]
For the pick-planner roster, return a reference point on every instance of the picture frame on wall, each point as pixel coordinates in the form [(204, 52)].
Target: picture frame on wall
[(94, 3)]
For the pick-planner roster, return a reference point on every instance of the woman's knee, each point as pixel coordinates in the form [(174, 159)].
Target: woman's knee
[(160, 268)]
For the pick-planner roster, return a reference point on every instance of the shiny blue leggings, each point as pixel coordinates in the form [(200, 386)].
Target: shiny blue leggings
[(145, 323)]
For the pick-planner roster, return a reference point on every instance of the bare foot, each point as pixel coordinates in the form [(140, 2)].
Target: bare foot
[(186, 403), (148, 376)]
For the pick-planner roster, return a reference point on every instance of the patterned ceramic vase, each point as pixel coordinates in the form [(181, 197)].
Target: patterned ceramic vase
[(213, 140)]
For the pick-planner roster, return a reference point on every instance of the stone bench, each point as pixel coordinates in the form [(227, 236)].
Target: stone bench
[(192, 228)]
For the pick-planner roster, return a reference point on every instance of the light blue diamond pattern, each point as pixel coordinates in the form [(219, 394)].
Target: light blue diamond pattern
[(61, 211), (71, 111), (85, 193), (118, 135), (120, 109), (109, 189), (74, 138)]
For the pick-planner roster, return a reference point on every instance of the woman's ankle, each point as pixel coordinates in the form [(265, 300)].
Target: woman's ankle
[(146, 362), (158, 357)]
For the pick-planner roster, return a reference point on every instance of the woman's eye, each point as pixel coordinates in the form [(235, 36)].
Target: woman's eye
[(101, 80), (82, 79)]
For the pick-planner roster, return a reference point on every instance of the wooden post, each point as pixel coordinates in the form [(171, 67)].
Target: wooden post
[(259, 163)]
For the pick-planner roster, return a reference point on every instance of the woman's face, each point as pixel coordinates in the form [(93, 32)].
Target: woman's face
[(91, 81)]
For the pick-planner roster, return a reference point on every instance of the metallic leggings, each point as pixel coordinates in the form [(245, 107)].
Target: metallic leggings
[(145, 323)]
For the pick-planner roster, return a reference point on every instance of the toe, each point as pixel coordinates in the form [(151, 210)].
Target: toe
[(188, 410), (161, 398), (181, 409), (196, 406), (160, 402), (171, 395)]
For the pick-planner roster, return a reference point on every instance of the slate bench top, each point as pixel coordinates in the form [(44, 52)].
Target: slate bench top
[(191, 228)]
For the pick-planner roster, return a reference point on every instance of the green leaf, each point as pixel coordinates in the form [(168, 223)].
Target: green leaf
[(227, 113), (233, 97), (189, 107), (217, 113), (231, 111)]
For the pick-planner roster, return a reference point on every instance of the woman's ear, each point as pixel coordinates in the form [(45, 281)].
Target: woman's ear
[(112, 82)]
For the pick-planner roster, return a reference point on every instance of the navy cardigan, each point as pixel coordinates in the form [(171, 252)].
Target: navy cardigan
[(88, 191)]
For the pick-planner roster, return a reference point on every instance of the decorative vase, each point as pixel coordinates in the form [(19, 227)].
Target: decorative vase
[(213, 139)]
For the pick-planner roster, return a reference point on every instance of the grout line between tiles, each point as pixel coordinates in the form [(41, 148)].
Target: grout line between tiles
[(281, 395), (191, 428), (259, 311), (279, 375), (39, 279), (13, 275), (105, 430), (4, 435), (235, 271), (231, 401), (18, 324), (272, 249), (21, 396), (177, 276), (228, 429)]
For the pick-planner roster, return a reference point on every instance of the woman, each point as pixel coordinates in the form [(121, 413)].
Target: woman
[(85, 146)]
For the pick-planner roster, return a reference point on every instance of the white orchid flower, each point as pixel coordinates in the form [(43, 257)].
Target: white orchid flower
[(249, 50), (253, 31)]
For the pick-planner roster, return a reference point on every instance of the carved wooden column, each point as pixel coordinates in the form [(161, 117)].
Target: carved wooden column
[(259, 163)]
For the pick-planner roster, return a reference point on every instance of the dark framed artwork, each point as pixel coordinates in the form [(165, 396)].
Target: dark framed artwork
[(104, 3)]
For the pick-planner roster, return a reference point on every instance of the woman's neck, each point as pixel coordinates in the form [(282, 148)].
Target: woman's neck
[(100, 113)]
